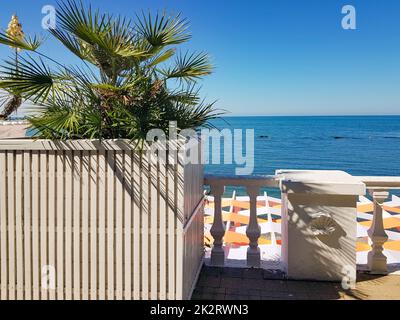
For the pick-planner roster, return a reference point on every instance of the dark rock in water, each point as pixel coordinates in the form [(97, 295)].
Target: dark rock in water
[(341, 138), (264, 137)]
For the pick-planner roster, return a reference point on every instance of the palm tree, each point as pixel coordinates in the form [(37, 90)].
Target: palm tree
[(131, 80)]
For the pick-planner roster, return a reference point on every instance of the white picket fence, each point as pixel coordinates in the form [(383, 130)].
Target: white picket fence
[(97, 220)]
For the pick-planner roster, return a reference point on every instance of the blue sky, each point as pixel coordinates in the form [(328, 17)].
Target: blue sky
[(287, 57)]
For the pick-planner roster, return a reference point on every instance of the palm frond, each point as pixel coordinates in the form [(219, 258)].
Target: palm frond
[(26, 43), (162, 57), (30, 78), (72, 44), (107, 37), (189, 67), (189, 96), (191, 117), (57, 122), (163, 30)]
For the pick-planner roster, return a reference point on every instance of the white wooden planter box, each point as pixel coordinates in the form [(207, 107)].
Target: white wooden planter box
[(97, 220)]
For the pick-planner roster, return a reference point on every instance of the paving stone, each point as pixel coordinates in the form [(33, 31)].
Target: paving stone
[(232, 273), (277, 294), (323, 296), (212, 271), (220, 297), (273, 275), (298, 286), (232, 283), (220, 290), (275, 285), (208, 296), (235, 297), (257, 284), (209, 281), (253, 274), (254, 292), (196, 296)]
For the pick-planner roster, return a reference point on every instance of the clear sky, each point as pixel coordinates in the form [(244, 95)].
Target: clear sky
[(286, 57)]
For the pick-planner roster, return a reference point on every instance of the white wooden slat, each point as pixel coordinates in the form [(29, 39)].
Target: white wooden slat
[(119, 227), (36, 273), (171, 231), (27, 226), (52, 222), (145, 187), (85, 216), (162, 196), (11, 224), (68, 207), (180, 252), (102, 225), (43, 224), (19, 246), (60, 216), (77, 176), (128, 192), (110, 225), (93, 225), (3, 226), (154, 217), (136, 185)]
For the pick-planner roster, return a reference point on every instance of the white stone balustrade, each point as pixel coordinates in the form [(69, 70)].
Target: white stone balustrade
[(253, 186), (377, 261), (253, 231), (379, 188), (218, 229)]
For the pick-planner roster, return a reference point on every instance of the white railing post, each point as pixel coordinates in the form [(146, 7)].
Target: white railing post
[(217, 229), (253, 231), (377, 261)]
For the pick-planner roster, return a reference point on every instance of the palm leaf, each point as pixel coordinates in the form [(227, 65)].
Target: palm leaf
[(107, 37), (31, 79), (27, 43), (162, 57), (163, 30), (189, 67)]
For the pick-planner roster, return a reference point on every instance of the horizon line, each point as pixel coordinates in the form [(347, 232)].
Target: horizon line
[(309, 115)]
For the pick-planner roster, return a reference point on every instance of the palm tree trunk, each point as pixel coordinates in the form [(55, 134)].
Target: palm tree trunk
[(11, 106), (15, 101)]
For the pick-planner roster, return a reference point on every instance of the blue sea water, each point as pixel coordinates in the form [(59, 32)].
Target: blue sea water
[(359, 145)]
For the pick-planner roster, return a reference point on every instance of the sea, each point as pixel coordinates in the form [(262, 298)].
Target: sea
[(359, 145)]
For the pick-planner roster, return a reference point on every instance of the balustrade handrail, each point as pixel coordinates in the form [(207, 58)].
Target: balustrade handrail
[(381, 183), (371, 182), (231, 180)]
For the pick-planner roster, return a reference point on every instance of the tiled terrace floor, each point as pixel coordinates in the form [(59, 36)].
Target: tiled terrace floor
[(257, 284)]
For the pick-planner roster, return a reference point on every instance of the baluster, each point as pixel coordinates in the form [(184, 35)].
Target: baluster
[(253, 231), (218, 229), (377, 261)]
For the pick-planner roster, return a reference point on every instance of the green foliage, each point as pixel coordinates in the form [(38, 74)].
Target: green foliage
[(132, 78)]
